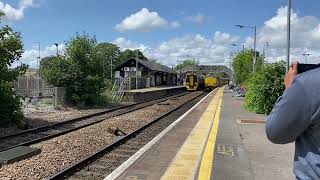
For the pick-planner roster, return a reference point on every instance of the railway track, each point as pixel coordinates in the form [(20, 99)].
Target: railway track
[(107, 159), (43, 133)]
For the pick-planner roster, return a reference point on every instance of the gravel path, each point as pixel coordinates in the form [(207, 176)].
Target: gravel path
[(64, 150)]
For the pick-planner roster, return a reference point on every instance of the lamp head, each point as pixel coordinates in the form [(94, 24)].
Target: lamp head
[(239, 26)]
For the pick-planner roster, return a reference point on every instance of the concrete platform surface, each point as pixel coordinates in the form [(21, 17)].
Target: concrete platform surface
[(154, 89), (243, 150), (210, 142), (138, 95)]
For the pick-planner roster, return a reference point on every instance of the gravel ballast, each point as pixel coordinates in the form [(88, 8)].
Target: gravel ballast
[(59, 152)]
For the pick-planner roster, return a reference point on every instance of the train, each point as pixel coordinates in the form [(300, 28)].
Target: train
[(211, 83), (195, 82), (192, 82)]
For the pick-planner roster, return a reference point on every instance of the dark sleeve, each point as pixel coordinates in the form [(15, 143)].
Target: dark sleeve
[(290, 116)]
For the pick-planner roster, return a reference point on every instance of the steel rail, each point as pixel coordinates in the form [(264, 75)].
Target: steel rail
[(50, 127), (82, 163)]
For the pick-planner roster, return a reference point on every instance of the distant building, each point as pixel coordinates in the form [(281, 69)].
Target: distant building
[(149, 74)]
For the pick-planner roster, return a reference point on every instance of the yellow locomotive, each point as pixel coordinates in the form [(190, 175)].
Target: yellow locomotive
[(211, 83), (195, 82)]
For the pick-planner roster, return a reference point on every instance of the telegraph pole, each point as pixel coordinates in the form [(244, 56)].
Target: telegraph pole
[(38, 66)]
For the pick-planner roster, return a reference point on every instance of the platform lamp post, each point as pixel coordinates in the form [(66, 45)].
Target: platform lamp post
[(239, 45), (288, 35), (306, 55), (254, 43), (57, 45), (137, 68), (38, 66)]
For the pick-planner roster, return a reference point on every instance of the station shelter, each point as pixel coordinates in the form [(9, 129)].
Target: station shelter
[(150, 74)]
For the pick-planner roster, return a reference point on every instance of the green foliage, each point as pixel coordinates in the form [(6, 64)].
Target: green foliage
[(242, 64), (56, 70), (264, 88), (186, 63), (107, 52), (10, 51), (127, 54), (79, 70)]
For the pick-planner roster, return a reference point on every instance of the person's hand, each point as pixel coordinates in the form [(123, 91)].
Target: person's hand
[(293, 71)]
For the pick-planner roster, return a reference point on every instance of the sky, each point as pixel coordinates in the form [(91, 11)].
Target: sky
[(168, 30)]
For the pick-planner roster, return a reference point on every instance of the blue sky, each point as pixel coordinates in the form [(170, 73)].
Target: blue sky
[(165, 30)]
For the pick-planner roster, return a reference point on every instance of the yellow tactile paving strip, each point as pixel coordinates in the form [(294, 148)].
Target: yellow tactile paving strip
[(208, 155), (187, 159)]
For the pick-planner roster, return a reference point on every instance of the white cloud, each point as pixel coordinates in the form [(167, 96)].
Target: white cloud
[(124, 44), (14, 14), (144, 21), (30, 56), (175, 24), (224, 38), (206, 50), (305, 37), (198, 18)]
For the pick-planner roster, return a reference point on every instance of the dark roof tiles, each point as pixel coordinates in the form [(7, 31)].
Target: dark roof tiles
[(153, 66)]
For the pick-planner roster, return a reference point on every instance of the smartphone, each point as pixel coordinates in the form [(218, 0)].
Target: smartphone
[(306, 67)]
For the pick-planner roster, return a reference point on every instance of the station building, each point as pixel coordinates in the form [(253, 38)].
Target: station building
[(149, 74)]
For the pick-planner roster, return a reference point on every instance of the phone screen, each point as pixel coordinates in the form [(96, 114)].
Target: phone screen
[(306, 67)]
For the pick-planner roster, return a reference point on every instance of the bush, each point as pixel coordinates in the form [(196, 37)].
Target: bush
[(10, 111), (10, 52), (264, 88), (84, 69)]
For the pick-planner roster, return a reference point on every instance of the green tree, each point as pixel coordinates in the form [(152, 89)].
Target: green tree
[(80, 70), (56, 70), (85, 82), (108, 52), (242, 64), (127, 54), (186, 63), (10, 52), (264, 88)]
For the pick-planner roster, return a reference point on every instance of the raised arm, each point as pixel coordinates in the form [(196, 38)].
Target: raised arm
[(290, 116)]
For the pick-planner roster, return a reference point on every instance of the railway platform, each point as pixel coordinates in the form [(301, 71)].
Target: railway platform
[(215, 139), (138, 95)]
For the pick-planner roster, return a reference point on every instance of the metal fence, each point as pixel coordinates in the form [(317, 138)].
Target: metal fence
[(32, 86)]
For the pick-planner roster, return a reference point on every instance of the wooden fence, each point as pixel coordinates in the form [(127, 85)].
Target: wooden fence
[(32, 86)]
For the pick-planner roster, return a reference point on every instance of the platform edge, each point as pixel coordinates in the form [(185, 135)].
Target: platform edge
[(117, 172)]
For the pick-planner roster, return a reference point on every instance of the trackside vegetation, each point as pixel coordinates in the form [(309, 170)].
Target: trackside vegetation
[(85, 69), (10, 52), (264, 86)]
